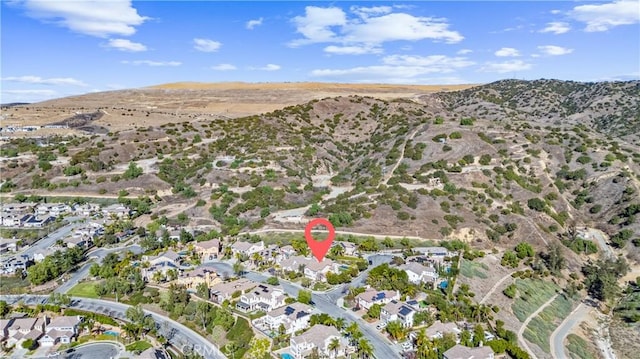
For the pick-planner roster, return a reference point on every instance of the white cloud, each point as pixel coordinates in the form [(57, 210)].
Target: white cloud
[(37, 80), (95, 18), (206, 45), (30, 92), (398, 69), (556, 28), (223, 67), (369, 11), (152, 63), (437, 63), (370, 27), (507, 66), (400, 26), (553, 50), (253, 23), (555, 12), (352, 50), (126, 45), (268, 67), (507, 52), (603, 17), (316, 25), (464, 51)]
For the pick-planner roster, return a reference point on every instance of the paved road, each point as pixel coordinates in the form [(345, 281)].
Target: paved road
[(521, 340), (177, 334), (326, 301), (52, 238), (561, 332), (95, 351), (97, 255)]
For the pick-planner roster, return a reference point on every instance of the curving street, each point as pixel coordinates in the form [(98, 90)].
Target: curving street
[(179, 335)]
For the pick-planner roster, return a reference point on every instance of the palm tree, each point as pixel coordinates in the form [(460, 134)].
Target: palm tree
[(365, 350), (132, 330), (256, 258), (334, 346), (339, 323), (353, 331), (396, 329), (423, 344)]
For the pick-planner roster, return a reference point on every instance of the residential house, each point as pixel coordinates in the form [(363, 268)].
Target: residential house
[(11, 220), (32, 221), (319, 336), (168, 256), (79, 241), (310, 267), (439, 329), (153, 353), (225, 291), (287, 251), (117, 210), (9, 245), (373, 296), (246, 248), (86, 209), (41, 254), (61, 330), (15, 263), (208, 250), (419, 273), (192, 279), (400, 311), (294, 317), (350, 249), (4, 329), (264, 297), (22, 329), (52, 209), (462, 352)]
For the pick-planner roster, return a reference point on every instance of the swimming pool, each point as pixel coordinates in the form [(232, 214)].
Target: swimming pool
[(286, 356), (112, 333)]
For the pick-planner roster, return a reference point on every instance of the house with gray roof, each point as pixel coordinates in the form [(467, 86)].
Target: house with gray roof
[(462, 352), (319, 336)]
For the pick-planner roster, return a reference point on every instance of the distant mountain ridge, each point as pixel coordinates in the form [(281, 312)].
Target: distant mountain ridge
[(611, 107)]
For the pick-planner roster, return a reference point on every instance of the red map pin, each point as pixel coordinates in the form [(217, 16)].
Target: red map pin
[(319, 249)]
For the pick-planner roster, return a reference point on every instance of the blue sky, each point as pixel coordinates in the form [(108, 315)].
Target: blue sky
[(53, 49)]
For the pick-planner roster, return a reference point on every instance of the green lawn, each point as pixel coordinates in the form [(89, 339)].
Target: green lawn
[(84, 289), (140, 346)]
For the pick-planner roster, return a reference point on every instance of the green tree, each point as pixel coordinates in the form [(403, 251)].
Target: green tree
[(202, 290), (524, 250), (396, 330), (30, 344), (259, 348), (374, 311), (132, 171), (304, 296), (364, 348), (334, 346)]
